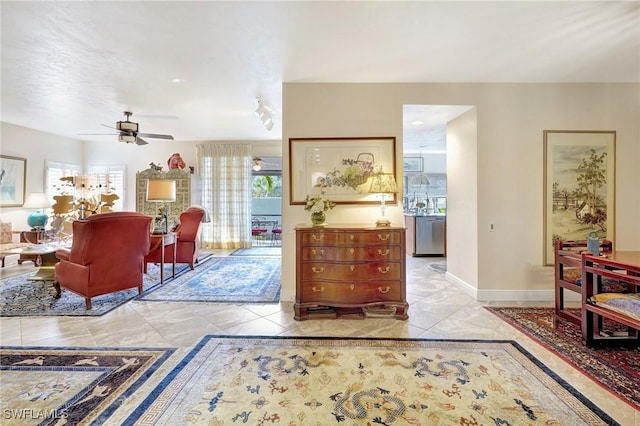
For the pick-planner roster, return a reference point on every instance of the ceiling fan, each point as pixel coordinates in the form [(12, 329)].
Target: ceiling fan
[(128, 131), (258, 163)]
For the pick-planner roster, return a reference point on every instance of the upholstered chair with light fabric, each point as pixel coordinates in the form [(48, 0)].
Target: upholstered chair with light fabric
[(107, 255), (188, 244)]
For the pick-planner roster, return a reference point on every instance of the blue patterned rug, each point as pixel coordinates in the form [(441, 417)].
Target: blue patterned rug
[(22, 298), (224, 279), (258, 251), (261, 380), (71, 386)]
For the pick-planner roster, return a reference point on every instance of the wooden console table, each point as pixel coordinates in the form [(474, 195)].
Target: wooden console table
[(348, 270), (623, 266)]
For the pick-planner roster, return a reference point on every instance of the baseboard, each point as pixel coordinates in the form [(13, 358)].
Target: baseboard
[(508, 295)]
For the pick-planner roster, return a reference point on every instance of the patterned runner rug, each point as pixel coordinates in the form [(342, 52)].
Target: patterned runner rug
[(21, 298), (320, 381), (70, 386), (225, 279), (615, 368)]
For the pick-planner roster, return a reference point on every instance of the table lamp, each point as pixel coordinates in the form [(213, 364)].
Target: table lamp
[(161, 191), (39, 201), (383, 183)]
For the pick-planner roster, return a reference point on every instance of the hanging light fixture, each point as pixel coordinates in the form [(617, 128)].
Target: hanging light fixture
[(265, 114)]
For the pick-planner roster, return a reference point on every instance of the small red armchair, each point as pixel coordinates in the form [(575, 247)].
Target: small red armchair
[(106, 255), (188, 244)]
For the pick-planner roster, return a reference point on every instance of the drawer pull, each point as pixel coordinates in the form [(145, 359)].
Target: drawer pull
[(317, 237), (352, 237), (317, 290), (385, 290), (383, 271), (352, 267), (315, 252), (351, 251), (317, 270), (352, 286), (384, 237), (386, 252)]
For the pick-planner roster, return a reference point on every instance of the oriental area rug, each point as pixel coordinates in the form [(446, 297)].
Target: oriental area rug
[(297, 381), (225, 279), (615, 368), (20, 297), (70, 386)]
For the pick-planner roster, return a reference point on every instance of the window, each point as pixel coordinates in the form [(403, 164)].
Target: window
[(55, 171), (109, 179)]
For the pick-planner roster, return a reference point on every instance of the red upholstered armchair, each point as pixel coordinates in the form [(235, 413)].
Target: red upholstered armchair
[(106, 255), (188, 244)]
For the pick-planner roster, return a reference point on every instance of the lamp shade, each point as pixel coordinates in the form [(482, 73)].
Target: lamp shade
[(383, 183), (161, 190), (37, 200)]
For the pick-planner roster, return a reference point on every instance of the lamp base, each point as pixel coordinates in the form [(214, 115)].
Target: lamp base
[(383, 222), (37, 220)]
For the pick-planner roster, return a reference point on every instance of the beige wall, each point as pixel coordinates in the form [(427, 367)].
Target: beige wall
[(509, 167)]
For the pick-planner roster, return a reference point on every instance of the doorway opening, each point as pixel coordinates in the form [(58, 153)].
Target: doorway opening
[(266, 201)]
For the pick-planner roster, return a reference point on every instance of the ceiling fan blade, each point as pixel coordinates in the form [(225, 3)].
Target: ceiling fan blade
[(97, 134), (155, 136), (140, 141), (111, 127), (163, 116)]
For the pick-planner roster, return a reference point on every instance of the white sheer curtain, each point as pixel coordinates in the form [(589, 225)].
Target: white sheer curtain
[(225, 172)]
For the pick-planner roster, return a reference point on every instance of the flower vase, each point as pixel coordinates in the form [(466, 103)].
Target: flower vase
[(318, 218)]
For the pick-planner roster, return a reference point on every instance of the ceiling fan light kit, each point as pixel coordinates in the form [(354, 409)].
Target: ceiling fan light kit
[(126, 138), (127, 126)]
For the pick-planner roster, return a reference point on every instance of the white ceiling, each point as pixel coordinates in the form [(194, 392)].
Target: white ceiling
[(69, 66)]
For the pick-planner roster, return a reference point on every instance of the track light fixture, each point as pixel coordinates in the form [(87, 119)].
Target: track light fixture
[(265, 114)]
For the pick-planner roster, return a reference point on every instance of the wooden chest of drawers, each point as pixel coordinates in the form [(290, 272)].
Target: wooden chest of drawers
[(348, 268)]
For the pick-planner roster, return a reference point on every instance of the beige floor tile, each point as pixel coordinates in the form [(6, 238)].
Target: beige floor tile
[(438, 310)]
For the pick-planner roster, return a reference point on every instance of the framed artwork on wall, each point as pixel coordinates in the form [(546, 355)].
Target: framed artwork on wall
[(13, 179), (341, 168), (579, 186), (413, 164)]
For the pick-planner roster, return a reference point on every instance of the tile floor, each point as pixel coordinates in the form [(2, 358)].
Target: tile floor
[(437, 310)]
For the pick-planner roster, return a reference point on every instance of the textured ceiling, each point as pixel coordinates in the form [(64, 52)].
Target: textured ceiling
[(67, 67)]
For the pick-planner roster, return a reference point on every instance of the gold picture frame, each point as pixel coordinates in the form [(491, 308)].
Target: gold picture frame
[(579, 186), (339, 167)]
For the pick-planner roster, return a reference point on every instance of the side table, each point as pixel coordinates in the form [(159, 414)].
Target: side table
[(159, 242)]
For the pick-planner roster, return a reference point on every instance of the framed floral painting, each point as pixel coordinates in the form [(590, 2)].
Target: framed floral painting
[(341, 168)]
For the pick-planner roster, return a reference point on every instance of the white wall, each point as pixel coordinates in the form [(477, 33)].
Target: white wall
[(36, 147), (510, 123), (138, 158)]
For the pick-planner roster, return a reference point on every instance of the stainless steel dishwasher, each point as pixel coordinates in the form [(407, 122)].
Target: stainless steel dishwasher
[(430, 231)]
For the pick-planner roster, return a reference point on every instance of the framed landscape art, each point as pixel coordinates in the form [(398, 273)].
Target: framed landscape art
[(579, 186), (339, 167), (13, 172)]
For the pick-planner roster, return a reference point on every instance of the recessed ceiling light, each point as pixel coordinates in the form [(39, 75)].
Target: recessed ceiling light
[(417, 122), (177, 80)]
